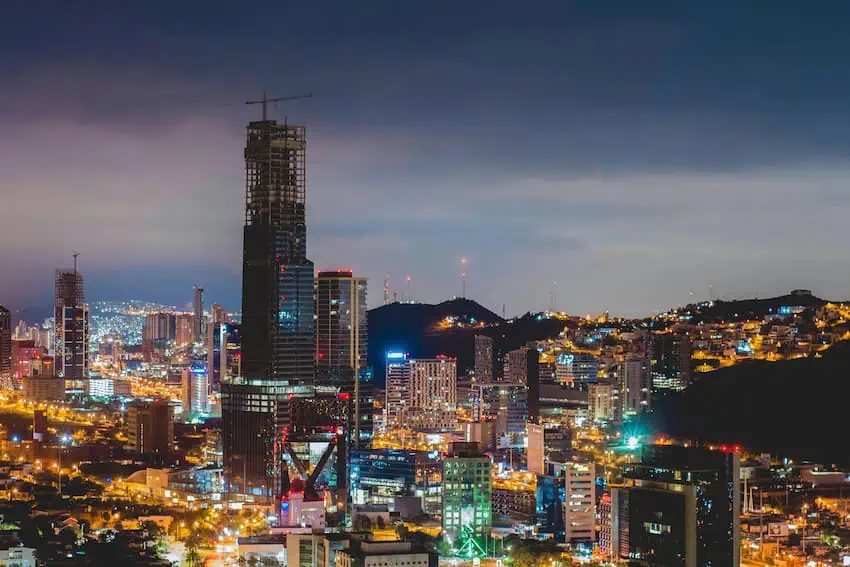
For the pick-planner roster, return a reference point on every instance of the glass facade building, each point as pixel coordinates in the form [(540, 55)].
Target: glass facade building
[(467, 495), (380, 475), (678, 507)]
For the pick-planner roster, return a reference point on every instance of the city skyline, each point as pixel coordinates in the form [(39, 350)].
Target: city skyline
[(651, 154)]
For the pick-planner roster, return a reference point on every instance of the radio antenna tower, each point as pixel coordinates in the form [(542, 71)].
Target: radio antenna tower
[(463, 277), (386, 289)]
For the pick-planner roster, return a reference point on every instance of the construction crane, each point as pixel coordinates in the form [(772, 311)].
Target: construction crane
[(264, 101)]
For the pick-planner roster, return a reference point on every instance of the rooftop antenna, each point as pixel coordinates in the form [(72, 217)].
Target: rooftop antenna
[(265, 100), (409, 295), (463, 277), (75, 254)]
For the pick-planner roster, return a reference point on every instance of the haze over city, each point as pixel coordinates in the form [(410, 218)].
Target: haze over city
[(629, 152)]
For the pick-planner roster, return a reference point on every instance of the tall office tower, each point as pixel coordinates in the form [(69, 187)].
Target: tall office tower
[(341, 343), (71, 316), (198, 307), (636, 381), (397, 385), (150, 428), (580, 502), (278, 334), (195, 395), (467, 497), (224, 347), (5, 343), (532, 380), (432, 394), (515, 366), (483, 359), (679, 506), (671, 361)]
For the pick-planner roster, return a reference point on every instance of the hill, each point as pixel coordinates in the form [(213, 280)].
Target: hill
[(749, 309), (793, 408), (416, 328)]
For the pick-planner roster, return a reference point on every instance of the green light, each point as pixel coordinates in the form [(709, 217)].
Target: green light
[(633, 442)]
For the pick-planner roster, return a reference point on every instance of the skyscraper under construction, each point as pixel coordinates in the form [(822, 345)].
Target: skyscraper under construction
[(71, 320), (278, 335)]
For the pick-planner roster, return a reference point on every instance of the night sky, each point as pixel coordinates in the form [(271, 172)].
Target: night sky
[(629, 151)]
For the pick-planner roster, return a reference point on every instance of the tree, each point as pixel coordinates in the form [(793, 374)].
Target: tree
[(191, 558), (533, 553), (362, 523)]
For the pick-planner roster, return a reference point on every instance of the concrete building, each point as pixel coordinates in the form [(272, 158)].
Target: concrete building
[(636, 383), (184, 333), (549, 442), (397, 386), (383, 554), (18, 556), (432, 394), (484, 357), (600, 397), (44, 388), (150, 428), (515, 366), (580, 502)]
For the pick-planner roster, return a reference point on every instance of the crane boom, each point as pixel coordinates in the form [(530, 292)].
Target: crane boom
[(265, 100)]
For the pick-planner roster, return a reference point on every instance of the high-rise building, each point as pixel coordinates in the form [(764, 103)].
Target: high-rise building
[(547, 443), (278, 334), (432, 394), (671, 361), (680, 506), (198, 306), (467, 493), (576, 368), (516, 366), (397, 385), (224, 347), (341, 342), (184, 333), (600, 397), (71, 316), (219, 314), (159, 327), (636, 386), (5, 343), (195, 382), (580, 502), (150, 428), (483, 359)]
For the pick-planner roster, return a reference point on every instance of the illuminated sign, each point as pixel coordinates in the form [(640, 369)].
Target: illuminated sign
[(396, 355)]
